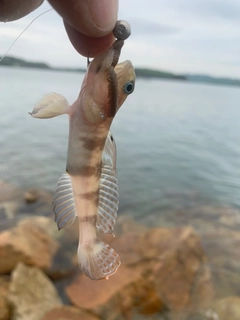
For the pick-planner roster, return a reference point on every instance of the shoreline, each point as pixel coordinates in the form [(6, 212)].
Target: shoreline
[(140, 72)]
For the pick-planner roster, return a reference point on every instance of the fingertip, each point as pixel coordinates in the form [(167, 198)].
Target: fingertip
[(88, 46), (94, 18), (103, 15)]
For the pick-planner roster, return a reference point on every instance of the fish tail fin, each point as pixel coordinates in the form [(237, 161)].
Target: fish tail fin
[(51, 105), (98, 261)]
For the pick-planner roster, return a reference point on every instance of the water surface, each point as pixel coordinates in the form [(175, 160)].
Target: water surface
[(178, 143)]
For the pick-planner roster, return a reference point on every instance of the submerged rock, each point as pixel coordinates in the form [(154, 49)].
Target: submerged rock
[(9, 192), (16, 203), (31, 294), (31, 196), (29, 242), (228, 308), (222, 247)]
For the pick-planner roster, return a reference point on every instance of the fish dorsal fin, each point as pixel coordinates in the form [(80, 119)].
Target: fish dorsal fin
[(108, 193), (51, 105), (64, 206)]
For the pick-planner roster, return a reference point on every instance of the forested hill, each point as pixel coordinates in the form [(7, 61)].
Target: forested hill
[(140, 72)]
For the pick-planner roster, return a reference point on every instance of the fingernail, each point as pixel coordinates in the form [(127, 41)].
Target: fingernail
[(104, 13)]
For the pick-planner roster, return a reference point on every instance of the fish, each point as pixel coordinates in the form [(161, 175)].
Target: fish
[(89, 187)]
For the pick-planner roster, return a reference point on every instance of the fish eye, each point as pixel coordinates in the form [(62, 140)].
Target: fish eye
[(128, 87)]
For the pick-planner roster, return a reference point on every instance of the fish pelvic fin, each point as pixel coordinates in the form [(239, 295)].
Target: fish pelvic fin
[(98, 261), (63, 201), (51, 105)]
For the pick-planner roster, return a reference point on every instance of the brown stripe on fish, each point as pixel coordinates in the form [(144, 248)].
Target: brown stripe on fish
[(91, 196), (85, 171), (90, 219), (93, 143), (112, 93)]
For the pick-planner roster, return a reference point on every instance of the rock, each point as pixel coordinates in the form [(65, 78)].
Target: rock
[(28, 242), (8, 191), (228, 308), (36, 202), (218, 228), (4, 307), (64, 264), (69, 313), (125, 224), (221, 309), (162, 269), (222, 248), (179, 269), (198, 217), (31, 196), (31, 293), (203, 315), (15, 201), (45, 223), (65, 259), (8, 205), (114, 297)]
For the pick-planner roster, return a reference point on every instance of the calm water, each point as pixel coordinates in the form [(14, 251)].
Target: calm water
[(177, 142)]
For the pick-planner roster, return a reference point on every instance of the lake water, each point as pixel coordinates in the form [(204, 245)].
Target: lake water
[(178, 143)]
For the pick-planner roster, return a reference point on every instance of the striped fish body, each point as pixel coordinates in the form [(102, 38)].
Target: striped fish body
[(89, 187)]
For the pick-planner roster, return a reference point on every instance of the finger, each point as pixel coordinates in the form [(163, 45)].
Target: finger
[(88, 46), (94, 18), (14, 9)]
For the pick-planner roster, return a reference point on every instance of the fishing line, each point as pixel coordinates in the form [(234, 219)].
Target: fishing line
[(22, 33)]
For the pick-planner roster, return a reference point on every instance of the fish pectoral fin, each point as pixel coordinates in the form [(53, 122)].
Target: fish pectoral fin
[(108, 192), (98, 261), (64, 206), (51, 105), (109, 152)]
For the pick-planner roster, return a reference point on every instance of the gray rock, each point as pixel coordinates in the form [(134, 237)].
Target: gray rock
[(31, 294)]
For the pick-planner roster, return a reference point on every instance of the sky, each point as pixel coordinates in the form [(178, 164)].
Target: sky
[(180, 36)]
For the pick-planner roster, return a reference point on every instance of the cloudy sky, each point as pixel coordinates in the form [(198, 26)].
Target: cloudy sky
[(182, 36)]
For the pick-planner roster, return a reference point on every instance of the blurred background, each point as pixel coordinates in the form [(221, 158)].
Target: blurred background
[(178, 142)]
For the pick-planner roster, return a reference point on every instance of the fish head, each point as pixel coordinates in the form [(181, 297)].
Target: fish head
[(106, 86), (126, 80)]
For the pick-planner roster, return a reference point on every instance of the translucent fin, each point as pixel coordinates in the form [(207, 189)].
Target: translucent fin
[(51, 105), (108, 193), (98, 262), (64, 207), (109, 152)]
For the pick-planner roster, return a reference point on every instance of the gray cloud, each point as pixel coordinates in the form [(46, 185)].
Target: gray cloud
[(151, 28), (207, 9)]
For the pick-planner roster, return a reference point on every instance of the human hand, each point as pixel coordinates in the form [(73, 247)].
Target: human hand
[(89, 23)]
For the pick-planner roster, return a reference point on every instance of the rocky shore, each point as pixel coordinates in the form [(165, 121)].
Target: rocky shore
[(183, 265)]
